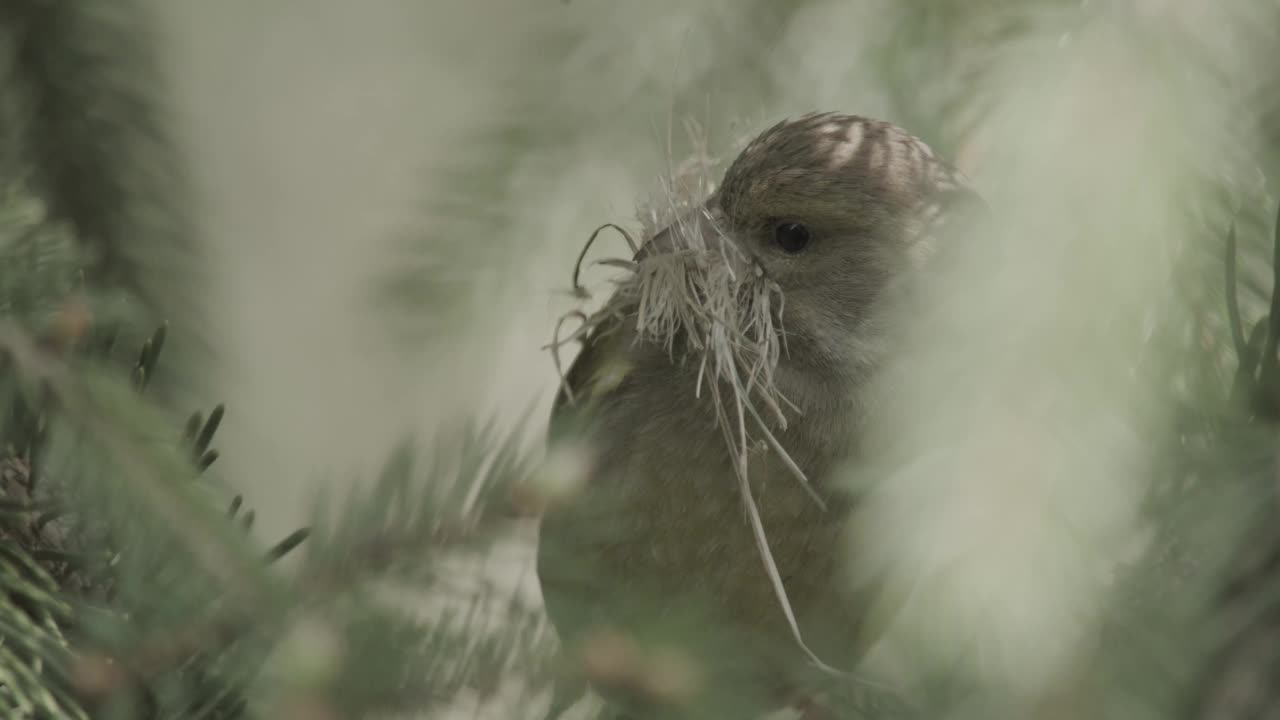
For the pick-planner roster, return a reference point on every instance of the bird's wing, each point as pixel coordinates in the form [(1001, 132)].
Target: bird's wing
[(598, 370)]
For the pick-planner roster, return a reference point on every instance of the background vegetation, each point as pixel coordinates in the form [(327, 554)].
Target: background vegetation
[(269, 266)]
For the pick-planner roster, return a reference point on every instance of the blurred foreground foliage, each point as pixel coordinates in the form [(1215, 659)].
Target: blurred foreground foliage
[(129, 584)]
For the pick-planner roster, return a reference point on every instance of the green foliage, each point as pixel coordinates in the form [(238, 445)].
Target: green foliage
[(86, 132), (168, 609), (130, 585), (93, 135), (168, 590)]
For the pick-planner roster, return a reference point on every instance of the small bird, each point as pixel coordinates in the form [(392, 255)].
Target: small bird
[(717, 394)]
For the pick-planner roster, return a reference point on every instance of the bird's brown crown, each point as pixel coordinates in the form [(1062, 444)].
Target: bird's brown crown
[(807, 161)]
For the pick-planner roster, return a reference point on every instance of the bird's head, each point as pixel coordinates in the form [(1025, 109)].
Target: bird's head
[(827, 212), (772, 281)]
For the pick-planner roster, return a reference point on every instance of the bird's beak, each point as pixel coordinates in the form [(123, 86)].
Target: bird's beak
[(698, 230)]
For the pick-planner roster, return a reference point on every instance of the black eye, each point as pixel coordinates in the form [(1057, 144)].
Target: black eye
[(791, 237)]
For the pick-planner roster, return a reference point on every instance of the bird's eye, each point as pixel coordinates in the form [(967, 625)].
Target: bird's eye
[(791, 237)]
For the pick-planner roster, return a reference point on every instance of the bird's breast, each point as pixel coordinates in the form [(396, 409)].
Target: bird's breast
[(664, 516)]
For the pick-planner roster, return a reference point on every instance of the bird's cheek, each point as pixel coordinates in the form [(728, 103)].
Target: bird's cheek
[(820, 311)]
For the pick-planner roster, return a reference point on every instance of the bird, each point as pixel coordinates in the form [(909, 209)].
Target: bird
[(718, 394)]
